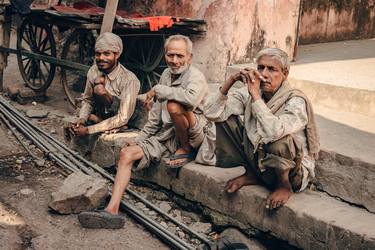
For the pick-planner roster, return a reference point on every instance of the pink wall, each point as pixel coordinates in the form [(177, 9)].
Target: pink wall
[(329, 22), (237, 29)]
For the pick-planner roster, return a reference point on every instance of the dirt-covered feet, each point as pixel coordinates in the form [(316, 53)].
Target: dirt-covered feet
[(244, 180)]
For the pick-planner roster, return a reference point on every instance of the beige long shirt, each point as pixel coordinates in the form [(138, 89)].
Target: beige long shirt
[(120, 83), (190, 89), (264, 127)]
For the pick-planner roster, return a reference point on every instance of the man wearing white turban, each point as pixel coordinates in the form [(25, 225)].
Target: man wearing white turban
[(111, 90)]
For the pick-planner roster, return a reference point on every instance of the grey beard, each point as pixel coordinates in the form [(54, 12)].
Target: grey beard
[(180, 70)]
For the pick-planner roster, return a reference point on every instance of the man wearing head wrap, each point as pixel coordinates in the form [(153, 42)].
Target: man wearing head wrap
[(176, 128), (277, 141), (111, 90)]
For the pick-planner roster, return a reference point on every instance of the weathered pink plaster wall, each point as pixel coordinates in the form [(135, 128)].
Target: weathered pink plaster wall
[(331, 22), (237, 29)]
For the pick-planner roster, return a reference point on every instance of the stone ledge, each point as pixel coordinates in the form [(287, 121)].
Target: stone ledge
[(310, 220), (349, 179)]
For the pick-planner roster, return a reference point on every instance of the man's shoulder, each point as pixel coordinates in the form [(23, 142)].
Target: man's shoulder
[(196, 73), (126, 74)]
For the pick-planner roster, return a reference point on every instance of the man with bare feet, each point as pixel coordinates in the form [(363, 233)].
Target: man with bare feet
[(277, 141), (176, 129), (111, 90)]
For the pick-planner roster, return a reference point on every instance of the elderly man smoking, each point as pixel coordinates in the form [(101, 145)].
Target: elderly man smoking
[(111, 90), (277, 141)]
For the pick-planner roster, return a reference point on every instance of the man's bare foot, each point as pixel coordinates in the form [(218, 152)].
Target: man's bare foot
[(244, 180), (278, 198), (177, 162)]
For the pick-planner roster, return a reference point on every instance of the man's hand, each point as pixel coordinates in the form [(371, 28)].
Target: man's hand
[(150, 95), (253, 79), (99, 80), (239, 76), (80, 130)]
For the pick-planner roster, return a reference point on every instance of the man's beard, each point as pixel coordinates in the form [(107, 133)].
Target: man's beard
[(179, 70)]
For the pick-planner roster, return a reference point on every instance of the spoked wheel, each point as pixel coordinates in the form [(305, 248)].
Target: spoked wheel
[(80, 48), (37, 37), (144, 55)]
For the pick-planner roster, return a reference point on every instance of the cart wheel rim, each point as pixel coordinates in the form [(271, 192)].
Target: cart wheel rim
[(35, 37)]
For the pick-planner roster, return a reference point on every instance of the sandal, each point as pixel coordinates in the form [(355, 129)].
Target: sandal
[(101, 219), (187, 158)]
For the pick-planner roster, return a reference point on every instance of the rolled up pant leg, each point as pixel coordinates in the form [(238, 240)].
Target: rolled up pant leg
[(283, 154)]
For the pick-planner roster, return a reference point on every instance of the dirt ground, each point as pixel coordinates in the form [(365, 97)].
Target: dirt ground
[(25, 189)]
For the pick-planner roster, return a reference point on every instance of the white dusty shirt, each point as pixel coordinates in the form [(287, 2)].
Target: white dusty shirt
[(120, 83), (264, 126), (190, 89)]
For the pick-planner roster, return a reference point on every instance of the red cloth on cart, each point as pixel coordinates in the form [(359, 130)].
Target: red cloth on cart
[(84, 7)]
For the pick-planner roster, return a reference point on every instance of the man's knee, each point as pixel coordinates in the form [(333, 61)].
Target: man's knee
[(175, 108), (283, 147), (100, 90), (130, 154)]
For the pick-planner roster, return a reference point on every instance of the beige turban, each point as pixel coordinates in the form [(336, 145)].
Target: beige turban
[(109, 41)]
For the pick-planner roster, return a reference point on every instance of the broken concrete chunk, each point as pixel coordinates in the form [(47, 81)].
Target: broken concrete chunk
[(79, 192), (165, 207), (201, 227), (26, 191), (33, 113)]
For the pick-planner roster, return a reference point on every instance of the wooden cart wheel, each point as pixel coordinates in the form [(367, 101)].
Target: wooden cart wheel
[(144, 55), (80, 48), (37, 37)]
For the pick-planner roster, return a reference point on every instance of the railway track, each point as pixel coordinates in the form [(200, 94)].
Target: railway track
[(70, 161)]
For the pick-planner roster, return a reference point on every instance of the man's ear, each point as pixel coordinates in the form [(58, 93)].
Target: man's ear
[(285, 73), (117, 55), (191, 58)]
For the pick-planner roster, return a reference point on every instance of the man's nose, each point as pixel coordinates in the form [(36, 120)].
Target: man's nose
[(175, 59)]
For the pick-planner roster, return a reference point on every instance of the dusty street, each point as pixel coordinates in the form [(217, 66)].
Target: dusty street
[(25, 189)]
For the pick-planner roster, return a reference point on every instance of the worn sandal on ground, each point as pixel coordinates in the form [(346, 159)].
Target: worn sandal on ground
[(101, 219), (187, 158)]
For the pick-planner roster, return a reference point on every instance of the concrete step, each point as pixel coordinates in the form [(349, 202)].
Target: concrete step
[(310, 220)]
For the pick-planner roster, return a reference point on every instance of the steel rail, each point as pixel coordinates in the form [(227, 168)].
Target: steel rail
[(61, 160), (43, 145), (17, 137), (110, 177)]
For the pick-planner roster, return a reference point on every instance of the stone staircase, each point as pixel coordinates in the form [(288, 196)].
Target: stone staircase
[(339, 214)]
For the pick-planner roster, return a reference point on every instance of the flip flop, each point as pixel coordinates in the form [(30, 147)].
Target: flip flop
[(101, 219), (188, 158)]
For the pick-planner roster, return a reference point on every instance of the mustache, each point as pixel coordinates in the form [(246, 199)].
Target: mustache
[(102, 61)]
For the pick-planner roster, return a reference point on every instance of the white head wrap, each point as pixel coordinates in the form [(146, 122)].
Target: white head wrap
[(109, 41)]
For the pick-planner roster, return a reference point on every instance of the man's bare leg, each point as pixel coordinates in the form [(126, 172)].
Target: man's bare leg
[(182, 120), (248, 178), (127, 156), (283, 191)]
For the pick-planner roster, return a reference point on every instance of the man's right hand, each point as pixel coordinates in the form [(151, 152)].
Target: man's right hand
[(150, 96), (80, 122)]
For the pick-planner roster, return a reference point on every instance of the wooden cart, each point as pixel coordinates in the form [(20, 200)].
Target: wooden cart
[(39, 55)]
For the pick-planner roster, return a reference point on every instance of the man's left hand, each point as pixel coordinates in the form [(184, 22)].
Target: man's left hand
[(80, 130), (253, 78)]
